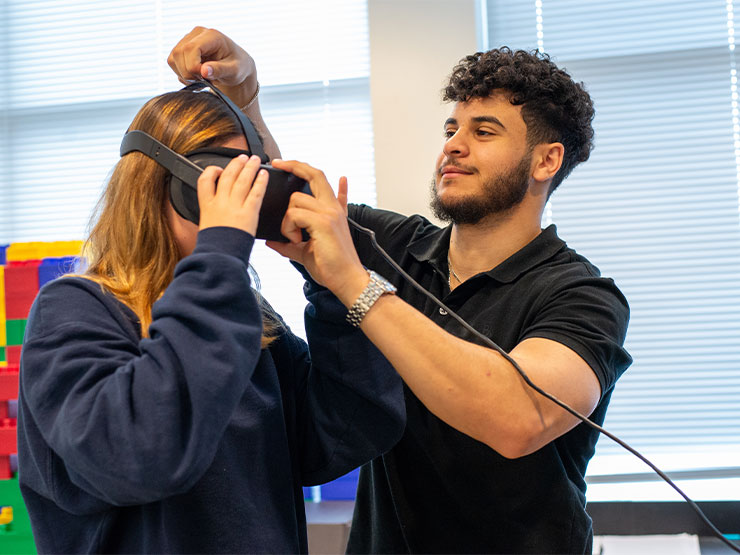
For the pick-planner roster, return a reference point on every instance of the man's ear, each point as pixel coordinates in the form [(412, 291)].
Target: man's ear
[(546, 160)]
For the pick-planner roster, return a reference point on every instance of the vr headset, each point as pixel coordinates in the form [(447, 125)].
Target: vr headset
[(185, 170)]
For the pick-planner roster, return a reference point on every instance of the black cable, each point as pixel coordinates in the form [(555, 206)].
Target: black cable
[(545, 394)]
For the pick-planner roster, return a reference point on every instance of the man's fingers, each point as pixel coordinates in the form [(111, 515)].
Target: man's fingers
[(316, 178), (302, 200), (342, 193), (219, 70), (295, 221), (289, 250), (198, 46)]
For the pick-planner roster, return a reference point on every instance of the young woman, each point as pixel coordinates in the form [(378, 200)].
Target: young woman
[(163, 407)]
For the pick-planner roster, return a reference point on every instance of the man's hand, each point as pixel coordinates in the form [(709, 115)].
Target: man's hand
[(329, 255), (210, 54)]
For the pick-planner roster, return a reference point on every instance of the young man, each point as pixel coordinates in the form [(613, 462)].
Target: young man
[(486, 464)]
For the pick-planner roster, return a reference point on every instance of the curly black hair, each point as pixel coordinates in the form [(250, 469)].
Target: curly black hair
[(554, 107)]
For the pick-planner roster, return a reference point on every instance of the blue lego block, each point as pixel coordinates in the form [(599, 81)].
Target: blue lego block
[(312, 493), (343, 488), (52, 268), (2, 254)]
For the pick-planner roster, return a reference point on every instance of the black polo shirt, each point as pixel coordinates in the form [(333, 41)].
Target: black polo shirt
[(440, 491)]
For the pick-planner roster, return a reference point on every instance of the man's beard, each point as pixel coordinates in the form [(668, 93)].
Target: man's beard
[(500, 194)]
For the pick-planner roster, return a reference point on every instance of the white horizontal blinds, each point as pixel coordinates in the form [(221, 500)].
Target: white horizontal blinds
[(4, 128), (293, 41), (58, 161), (77, 51), (656, 207), (78, 71), (69, 95), (663, 194), (91, 49)]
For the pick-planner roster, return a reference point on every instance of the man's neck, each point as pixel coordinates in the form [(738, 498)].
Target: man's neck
[(476, 248)]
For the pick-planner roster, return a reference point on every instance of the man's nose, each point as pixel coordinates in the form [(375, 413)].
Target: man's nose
[(456, 145)]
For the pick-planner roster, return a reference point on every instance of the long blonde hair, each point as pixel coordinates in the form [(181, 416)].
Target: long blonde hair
[(131, 250)]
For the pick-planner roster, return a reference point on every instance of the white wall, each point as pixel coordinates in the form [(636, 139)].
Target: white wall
[(413, 46)]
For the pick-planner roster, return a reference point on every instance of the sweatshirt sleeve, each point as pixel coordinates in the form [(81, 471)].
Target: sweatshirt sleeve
[(136, 420), (350, 400)]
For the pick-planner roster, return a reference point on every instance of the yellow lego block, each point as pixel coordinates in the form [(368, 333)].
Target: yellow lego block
[(36, 250), (58, 249), (6, 515), (24, 251)]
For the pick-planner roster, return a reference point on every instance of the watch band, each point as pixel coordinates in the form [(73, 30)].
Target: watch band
[(377, 287)]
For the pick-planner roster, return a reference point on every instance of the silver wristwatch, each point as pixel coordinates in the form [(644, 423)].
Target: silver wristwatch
[(377, 287)]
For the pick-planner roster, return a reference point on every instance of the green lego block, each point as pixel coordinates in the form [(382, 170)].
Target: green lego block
[(14, 331), (16, 536), (2, 355)]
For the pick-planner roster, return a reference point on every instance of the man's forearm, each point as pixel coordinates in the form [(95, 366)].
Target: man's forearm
[(476, 390)]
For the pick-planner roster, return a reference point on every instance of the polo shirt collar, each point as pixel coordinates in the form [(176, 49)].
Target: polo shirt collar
[(433, 248)]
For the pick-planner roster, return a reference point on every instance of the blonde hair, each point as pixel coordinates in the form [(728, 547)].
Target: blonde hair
[(131, 250)]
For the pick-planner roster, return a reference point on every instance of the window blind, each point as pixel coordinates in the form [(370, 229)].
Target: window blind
[(656, 208), (78, 70)]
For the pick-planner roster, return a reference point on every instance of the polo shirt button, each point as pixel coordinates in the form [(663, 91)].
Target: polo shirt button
[(442, 311)]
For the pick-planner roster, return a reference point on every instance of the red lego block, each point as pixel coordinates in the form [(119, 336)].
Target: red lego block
[(8, 382), (13, 354), (6, 472), (21, 287), (8, 439)]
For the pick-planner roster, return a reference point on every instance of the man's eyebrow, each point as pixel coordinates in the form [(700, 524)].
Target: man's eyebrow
[(489, 119), (479, 119)]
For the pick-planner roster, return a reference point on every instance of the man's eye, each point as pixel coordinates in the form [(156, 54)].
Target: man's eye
[(449, 133), (484, 132)]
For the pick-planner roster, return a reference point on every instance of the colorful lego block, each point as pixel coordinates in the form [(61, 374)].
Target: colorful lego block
[(21, 287), (8, 446), (343, 488), (8, 439), (6, 473), (13, 354), (15, 536), (2, 307), (36, 250), (24, 251), (52, 268), (14, 330), (8, 383)]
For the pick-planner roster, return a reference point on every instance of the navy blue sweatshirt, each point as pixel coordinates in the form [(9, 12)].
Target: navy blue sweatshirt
[(194, 440)]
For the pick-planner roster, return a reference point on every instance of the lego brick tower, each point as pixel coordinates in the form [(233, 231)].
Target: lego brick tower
[(24, 268)]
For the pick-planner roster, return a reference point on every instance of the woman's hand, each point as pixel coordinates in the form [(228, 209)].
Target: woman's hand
[(329, 255), (237, 199)]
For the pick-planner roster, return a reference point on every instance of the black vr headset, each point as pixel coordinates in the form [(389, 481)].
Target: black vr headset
[(185, 170)]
